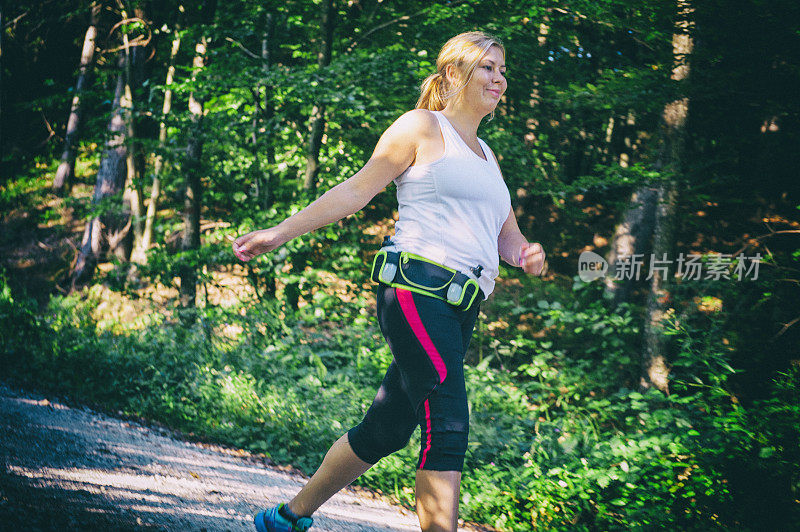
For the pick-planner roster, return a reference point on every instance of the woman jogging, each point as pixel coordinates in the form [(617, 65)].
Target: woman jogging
[(455, 218)]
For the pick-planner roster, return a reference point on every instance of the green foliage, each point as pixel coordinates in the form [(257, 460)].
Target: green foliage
[(561, 442)]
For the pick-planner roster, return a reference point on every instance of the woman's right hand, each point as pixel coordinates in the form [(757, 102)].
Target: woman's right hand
[(249, 246)]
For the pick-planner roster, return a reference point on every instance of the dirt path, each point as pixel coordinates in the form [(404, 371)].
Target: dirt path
[(68, 468)]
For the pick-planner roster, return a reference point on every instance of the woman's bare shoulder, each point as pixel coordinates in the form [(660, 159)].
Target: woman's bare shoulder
[(417, 123)]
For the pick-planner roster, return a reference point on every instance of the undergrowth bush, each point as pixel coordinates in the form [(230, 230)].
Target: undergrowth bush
[(560, 442)]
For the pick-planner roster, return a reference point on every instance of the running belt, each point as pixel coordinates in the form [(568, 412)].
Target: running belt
[(402, 269)]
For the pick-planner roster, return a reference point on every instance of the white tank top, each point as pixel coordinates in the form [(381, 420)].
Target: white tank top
[(452, 209)]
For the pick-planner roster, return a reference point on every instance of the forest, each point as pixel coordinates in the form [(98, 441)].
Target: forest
[(657, 139)]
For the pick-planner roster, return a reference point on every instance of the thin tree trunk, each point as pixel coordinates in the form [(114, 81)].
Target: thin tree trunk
[(318, 112), (132, 198), (269, 105), (607, 149), (314, 144), (110, 181), (66, 169), (265, 193), (628, 145), (2, 11), (192, 196), (535, 100), (262, 180), (654, 368), (140, 252)]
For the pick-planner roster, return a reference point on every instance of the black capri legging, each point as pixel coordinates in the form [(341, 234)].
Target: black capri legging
[(424, 384)]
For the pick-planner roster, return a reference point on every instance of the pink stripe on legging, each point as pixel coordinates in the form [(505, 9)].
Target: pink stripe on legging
[(428, 444), (412, 316)]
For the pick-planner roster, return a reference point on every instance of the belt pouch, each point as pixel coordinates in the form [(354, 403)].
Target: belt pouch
[(462, 291), (384, 266), (424, 274)]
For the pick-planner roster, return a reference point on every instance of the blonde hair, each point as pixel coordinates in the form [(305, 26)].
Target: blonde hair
[(463, 51)]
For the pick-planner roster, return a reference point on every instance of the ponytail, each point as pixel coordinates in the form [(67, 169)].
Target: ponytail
[(432, 93)]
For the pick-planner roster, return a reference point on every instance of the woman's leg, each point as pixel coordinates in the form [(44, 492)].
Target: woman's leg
[(429, 340), (339, 468), (438, 493), (391, 418), (445, 432), (386, 428)]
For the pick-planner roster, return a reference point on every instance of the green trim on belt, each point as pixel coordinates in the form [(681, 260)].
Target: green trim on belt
[(403, 257)]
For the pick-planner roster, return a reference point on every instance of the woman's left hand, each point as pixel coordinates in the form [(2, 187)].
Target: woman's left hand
[(532, 258)]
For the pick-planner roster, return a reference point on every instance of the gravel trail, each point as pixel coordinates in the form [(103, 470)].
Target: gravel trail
[(65, 468)]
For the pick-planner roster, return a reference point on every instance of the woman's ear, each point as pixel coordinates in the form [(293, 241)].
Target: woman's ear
[(451, 74)]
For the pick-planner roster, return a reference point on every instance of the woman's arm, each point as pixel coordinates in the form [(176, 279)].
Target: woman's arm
[(515, 249), (395, 151), (510, 240)]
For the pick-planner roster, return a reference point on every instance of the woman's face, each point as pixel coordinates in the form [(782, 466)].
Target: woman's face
[(488, 82)]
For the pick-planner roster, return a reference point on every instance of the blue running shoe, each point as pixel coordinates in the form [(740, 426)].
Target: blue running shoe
[(281, 519)]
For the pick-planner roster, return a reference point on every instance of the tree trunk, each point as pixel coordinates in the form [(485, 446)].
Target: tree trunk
[(2, 32), (607, 151), (132, 198), (631, 238), (269, 105), (318, 112), (140, 252), (269, 110), (66, 169), (264, 117), (192, 191), (654, 368), (535, 100), (628, 130), (105, 227)]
